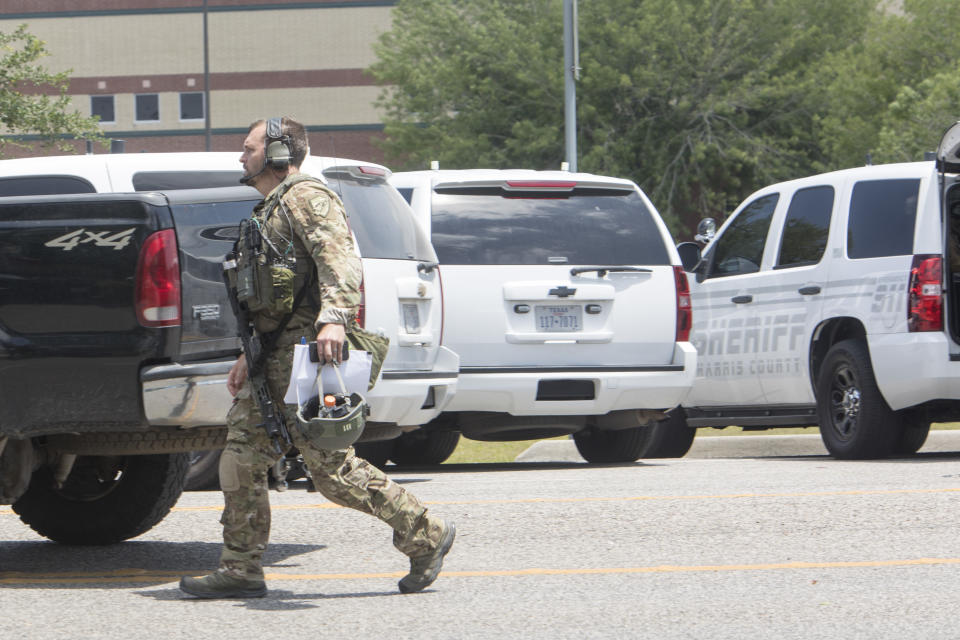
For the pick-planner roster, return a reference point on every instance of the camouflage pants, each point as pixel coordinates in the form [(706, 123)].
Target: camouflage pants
[(341, 476)]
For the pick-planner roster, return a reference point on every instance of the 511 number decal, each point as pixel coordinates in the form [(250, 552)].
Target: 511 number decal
[(116, 241)]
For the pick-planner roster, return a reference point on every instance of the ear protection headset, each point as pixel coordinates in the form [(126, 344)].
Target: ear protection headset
[(277, 155)]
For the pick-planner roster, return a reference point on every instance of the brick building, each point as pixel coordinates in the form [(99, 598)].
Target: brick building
[(144, 66)]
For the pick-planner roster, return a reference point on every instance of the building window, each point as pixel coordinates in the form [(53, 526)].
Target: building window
[(191, 106), (148, 107), (102, 107)]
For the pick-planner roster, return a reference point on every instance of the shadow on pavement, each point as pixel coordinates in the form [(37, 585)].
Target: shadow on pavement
[(29, 564), (275, 600)]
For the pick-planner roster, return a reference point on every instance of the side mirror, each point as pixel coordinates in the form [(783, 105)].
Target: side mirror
[(689, 255), (706, 230)]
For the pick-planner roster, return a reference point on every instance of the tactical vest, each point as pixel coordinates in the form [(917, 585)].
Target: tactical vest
[(265, 275)]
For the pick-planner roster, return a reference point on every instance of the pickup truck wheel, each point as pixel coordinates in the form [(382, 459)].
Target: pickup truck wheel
[(622, 445), (424, 447), (670, 438), (204, 472), (855, 420), (105, 499)]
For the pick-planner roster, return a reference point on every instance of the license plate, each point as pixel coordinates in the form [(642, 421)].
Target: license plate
[(411, 318), (559, 317)]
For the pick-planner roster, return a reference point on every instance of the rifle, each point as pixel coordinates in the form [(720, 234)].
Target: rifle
[(253, 348)]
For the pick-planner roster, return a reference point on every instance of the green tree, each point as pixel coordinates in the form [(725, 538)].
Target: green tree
[(26, 108), (699, 101), (889, 92), (916, 120)]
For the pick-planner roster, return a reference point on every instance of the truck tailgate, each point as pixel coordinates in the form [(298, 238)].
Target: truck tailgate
[(206, 232), (68, 326)]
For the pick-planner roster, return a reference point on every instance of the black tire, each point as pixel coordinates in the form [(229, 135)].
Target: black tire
[(670, 438), (424, 447), (137, 492), (622, 445), (376, 452), (855, 420), (204, 471), (913, 434)]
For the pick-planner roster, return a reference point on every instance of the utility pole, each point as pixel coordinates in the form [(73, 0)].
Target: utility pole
[(571, 73), (206, 79)]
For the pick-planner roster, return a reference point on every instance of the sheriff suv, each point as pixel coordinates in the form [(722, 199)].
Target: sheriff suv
[(565, 299), (829, 301)]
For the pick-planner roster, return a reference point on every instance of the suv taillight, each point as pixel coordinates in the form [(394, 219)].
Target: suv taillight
[(362, 307), (684, 311), (442, 310), (157, 294), (925, 308)]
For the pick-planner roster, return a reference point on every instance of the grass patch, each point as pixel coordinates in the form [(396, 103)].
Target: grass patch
[(469, 451)]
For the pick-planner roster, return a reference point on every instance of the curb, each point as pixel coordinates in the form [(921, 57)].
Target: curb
[(752, 446)]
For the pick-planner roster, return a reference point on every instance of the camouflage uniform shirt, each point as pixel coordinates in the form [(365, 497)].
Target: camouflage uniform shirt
[(307, 226)]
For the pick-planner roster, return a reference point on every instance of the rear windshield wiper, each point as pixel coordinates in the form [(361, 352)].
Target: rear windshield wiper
[(602, 271)]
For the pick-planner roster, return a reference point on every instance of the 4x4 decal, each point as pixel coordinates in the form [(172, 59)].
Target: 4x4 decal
[(70, 240)]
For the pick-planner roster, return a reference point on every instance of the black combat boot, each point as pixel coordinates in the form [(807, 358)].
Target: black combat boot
[(221, 585), (425, 569)]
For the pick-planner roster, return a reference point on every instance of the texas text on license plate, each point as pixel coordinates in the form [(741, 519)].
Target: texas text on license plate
[(559, 317)]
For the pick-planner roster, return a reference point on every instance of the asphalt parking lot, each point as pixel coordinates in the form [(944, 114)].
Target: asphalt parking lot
[(784, 546)]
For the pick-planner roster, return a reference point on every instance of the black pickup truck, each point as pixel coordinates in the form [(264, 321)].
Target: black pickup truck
[(116, 336)]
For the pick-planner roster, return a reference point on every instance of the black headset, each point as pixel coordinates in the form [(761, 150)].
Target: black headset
[(277, 155)]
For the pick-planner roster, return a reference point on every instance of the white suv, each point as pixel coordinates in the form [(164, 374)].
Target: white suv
[(402, 297), (565, 299), (827, 301)]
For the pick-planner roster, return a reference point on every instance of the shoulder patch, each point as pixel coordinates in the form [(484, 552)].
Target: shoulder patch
[(320, 205)]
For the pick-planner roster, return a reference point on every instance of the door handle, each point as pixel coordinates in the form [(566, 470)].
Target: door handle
[(809, 291), (741, 299)]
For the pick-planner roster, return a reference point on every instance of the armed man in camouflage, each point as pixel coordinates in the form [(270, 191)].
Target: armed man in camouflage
[(305, 222)]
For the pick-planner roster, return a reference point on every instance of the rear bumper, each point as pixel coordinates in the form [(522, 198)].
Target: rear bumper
[(400, 396), (514, 390), (196, 394), (191, 395), (913, 368)]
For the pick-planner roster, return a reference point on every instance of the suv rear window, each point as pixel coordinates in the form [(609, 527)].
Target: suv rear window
[(882, 215), (380, 218), (170, 180), (587, 226), (43, 185)]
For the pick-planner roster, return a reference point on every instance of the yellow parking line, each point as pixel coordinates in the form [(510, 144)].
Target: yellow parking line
[(145, 576), (719, 496)]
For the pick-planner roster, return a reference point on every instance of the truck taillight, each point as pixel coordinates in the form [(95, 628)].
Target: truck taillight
[(684, 310), (925, 308), (157, 296)]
